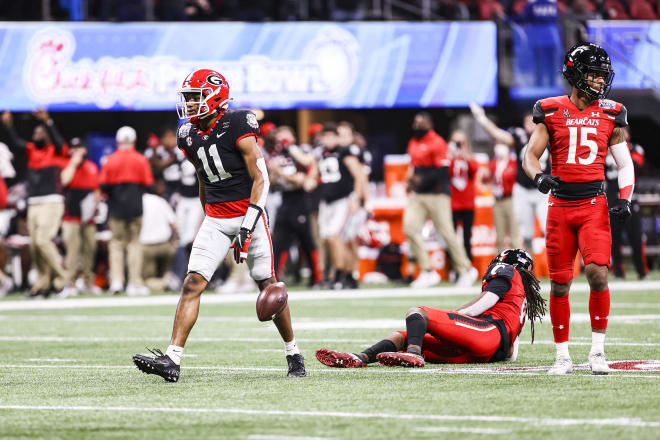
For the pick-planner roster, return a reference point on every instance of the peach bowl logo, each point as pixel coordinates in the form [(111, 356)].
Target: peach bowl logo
[(326, 70)]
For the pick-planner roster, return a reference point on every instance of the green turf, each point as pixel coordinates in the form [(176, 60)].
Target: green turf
[(247, 368)]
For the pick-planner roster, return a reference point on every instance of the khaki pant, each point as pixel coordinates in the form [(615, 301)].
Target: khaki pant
[(151, 255), (43, 221), (506, 223), (126, 239), (80, 243), (438, 207)]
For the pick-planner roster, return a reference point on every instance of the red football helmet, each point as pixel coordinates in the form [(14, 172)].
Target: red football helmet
[(203, 92)]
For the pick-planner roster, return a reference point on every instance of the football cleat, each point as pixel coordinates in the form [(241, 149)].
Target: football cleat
[(394, 359), (598, 363), (159, 364), (563, 365), (296, 365), (339, 359)]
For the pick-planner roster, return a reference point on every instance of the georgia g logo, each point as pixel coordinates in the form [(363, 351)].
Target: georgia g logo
[(214, 79)]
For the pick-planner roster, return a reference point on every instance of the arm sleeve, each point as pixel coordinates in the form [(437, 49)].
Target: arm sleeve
[(15, 141), (537, 113), (56, 137), (624, 163), (487, 300), (621, 119)]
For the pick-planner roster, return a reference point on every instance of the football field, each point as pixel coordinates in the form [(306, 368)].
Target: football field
[(66, 372)]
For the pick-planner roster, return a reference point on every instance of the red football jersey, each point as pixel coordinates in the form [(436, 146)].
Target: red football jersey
[(503, 176), (462, 174), (579, 138), (512, 307)]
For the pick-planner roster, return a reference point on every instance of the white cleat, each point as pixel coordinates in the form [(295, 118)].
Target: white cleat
[(426, 279), (598, 363), (563, 365), (137, 290), (466, 279)]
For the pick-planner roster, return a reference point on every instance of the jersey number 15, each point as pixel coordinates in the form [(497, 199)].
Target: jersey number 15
[(584, 142)]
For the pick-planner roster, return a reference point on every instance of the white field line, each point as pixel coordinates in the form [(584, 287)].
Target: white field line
[(51, 360), (523, 371), (145, 339), (624, 422), (283, 437), (325, 323), (463, 430), (304, 295)]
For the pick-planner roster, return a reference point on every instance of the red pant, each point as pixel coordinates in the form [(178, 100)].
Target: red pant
[(452, 338), (573, 225)]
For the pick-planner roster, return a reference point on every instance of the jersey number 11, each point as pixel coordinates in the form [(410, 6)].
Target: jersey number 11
[(213, 151)]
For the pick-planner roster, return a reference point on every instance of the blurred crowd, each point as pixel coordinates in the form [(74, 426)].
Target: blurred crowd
[(335, 10), (70, 226)]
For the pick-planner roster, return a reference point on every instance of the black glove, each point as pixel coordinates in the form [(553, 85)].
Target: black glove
[(241, 245), (621, 210), (546, 182)]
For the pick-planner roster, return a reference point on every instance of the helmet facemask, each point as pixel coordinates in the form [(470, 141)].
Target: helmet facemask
[(584, 84), (202, 96)]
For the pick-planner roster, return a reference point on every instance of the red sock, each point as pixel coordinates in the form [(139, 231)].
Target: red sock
[(284, 256), (599, 309), (560, 316), (316, 266)]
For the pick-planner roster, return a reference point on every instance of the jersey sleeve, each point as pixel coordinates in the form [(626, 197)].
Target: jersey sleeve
[(621, 119), (499, 286), (537, 113), (498, 279), (182, 134), (244, 124)]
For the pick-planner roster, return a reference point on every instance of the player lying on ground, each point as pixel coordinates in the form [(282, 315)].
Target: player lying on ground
[(577, 130), (233, 185), (484, 330)]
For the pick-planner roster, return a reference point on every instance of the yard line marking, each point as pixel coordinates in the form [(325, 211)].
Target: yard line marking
[(51, 360), (274, 340), (619, 421), (304, 295), (283, 437), (326, 323), (464, 430), (166, 338), (521, 371)]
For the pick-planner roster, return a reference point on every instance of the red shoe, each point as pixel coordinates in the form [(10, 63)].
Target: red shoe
[(394, 359), (338, 359)]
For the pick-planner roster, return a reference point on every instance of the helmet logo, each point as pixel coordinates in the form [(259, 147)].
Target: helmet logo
[(214, 79)]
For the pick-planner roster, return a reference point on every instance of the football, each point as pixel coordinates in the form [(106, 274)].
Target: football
[(271, 301)]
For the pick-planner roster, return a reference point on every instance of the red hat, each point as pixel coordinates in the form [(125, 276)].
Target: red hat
[(266, 127), (313, 129)]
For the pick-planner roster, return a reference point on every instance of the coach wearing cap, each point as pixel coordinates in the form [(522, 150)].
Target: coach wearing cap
[(124, 176)]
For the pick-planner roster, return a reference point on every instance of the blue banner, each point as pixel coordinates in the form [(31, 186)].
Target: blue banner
[(537, 61), (139, 66), (634, 47)]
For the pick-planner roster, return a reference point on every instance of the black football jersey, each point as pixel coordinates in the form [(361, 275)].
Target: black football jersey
[(216, 158), (288, 167), (336, 179)]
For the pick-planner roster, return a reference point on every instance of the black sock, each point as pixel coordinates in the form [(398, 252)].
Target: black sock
[(379, 347), (339, 275), (416, 329)]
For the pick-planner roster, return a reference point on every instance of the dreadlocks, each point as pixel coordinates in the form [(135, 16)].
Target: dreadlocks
[(535, 302)]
